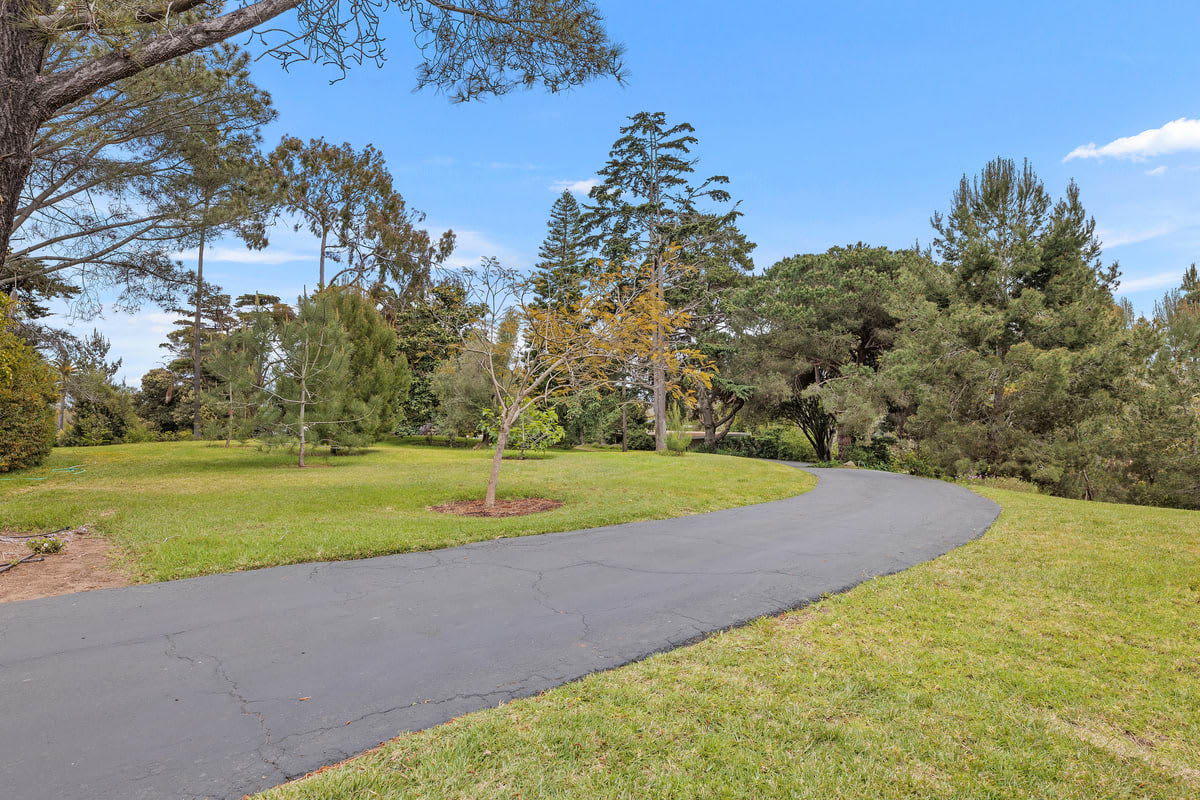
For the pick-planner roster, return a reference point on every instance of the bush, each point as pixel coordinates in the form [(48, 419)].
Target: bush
[(27, 396), (778, 442), (914, 463), (677, 438), (638, 439)]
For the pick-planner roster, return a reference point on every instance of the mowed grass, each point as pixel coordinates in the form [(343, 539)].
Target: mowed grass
[(1056, 657), (180, 509)]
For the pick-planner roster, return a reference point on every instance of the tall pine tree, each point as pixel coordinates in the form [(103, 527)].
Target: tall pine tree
[(563, 256)]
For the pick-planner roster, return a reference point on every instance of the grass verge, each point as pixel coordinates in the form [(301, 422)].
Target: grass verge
[(1056, 657), (180, 509)]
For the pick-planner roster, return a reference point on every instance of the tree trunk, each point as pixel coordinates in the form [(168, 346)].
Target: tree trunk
[(844, 443), (196, 330), (660, 392), (707, 420), (303, 399), (229, 419), (624, 420), (21, 111), (489, 500), (321, 261), (62, 410)]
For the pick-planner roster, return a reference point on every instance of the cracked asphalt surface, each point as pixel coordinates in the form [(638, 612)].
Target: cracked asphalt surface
[(194, 688)]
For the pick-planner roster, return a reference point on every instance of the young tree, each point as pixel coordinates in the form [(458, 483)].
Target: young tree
[(470, 49), (307, 367), (646, 210), (530, 352)]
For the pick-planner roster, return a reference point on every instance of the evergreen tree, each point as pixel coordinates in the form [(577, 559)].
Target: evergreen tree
[(1012, 344), (379, 376), (563, 256), (647, 211), (306, 361)]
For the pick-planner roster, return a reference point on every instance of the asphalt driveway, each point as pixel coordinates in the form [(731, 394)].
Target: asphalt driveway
[(193, 688)]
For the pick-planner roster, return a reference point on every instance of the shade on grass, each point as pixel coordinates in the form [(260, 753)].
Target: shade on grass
[(1056, 657), (180, 509)]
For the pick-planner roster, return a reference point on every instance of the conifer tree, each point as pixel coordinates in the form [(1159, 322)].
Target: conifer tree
[(647, 211), (563, 256), (1012, 345)]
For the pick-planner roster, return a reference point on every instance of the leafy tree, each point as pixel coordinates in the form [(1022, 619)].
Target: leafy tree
[(235, 193), (821, 324), (1012, 346), (530, 352), (463, 392), (101, 411), (331, 187), (426, 328), (647, 211), (536, 429), (470, 49), (563, 256), (1158, 433), (164, 402), (27, 396)]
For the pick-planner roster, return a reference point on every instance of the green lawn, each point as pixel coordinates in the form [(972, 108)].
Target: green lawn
[(1056, 657), (180, 509)]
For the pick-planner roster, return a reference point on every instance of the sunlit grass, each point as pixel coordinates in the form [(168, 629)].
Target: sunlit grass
[(180, 509)]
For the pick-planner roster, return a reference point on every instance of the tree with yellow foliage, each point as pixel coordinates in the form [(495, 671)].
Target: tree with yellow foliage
[(531, 352)]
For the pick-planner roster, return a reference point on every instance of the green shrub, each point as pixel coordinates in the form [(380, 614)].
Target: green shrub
[(45, 545), (678, 439), (27, 396), (914, 463)]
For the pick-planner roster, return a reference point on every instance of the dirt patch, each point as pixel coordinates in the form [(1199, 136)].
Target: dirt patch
[(83, 564), (518, 507)]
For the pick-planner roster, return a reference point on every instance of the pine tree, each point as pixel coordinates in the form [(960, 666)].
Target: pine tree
[(563, 256), (1012, 345), (647, 211)]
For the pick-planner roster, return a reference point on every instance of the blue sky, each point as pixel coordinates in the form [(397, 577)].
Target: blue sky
[(836, 123)]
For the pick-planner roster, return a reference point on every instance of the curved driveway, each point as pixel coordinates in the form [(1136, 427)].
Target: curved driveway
[(193, 688)]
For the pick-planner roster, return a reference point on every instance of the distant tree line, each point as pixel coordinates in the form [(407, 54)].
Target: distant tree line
[(997, 351)]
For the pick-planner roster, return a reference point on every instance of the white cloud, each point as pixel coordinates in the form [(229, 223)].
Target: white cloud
[(235, 255), (1159, 170), (470, 246), (575, 187), (1175, 137), (1160, 280), (1111, 239)]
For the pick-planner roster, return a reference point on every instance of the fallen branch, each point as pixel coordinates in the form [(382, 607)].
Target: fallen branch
[(30, 557)]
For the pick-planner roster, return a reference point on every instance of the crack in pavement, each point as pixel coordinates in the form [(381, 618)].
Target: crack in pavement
[(408, 641)]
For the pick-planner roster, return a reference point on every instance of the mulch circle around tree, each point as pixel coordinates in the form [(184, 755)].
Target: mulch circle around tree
[(516, 507)]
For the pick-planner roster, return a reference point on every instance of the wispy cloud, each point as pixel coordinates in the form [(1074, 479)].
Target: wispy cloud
[(1176, 136), (471, 245), (1159, 280), (234, 255), (1159, 170), (1111, 239), (575, 187)]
